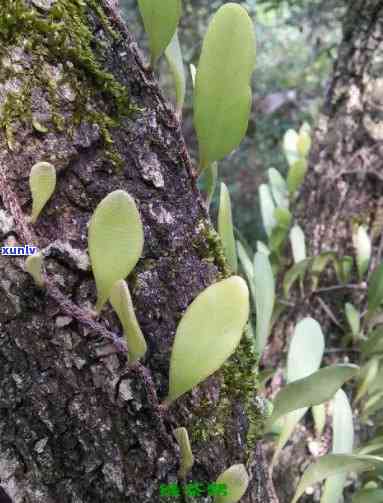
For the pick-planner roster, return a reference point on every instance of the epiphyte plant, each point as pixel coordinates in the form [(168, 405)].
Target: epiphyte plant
[(115, 241), (236, 481), (222, 93), (42, 182), (34, 266), (121, 301), (160, 21), (208, 334)]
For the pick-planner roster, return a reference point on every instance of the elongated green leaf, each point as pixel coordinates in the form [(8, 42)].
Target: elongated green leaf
[(374, 446), (264, 284), (298, 244), (319, 416), (122, 303), (304, 143), (236, 481), (278, 188), (353, 319), (290, 146), (368, 373), (187, 458), (332, 464), (304, 358), (193, 73), (222, 94), (208, 333), (368, 496), (296, 272), (34, 266), (312, 390), (343, 268), (209, 177), (296, 175), (174, 57), (248, 268), (267, 208), (115, 240), (42, 182), (362, 245), (343, 443), (160, 21), (374, 343), (319, 264), (375, 289), (225, 228)]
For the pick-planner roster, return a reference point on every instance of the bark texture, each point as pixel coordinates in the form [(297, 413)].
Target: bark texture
[(76, 424)]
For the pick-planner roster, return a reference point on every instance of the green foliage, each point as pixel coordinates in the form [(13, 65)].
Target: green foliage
[(296, 175), (42, 182), (353, 319), (34, 267), (375, 289), (187, 458), (267, 208), (160, 21), (298, 244), (362, 244), (208, 333), (115, 240), (122, 303), (173, 54), (264, 285), (222, 94), (225, 228), (236, 480), (368, 496)]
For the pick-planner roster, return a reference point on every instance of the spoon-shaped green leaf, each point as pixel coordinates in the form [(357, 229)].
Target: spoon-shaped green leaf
[(226, 230), (222, 94), (42, 182), (236, 481), (33, 266), (208, 333), (122, 303), (174, 57), (187, 459), (160, 19), (115, 240)]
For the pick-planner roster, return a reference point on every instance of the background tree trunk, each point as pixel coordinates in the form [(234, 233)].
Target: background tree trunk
[(343, 188), (77, 424)]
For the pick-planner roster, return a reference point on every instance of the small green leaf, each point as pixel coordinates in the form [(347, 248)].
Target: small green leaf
[(343, 443), (298, 245), (376, 445), (283, 217), (209, 177), (193, 73), (123, 305), (267, 208), (187, 459), (291, 276), (343, 268), (208, 334), (278, 188), (319, 416), (374, 343), (222, 94), (353, 319), (319, 264), (375, 289), (115, 240), (304, 143), (174, 57), (264, 284), (34, 267), (225, 228), (236, 481), (160, 21), (312, 390), (290, 146), (332, 464), (362, 245), (368, 373), (296, 175), (247, 267), (42, 182), (40, 128)]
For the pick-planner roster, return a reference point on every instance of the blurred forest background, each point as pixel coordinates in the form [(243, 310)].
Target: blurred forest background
[(297, 43)]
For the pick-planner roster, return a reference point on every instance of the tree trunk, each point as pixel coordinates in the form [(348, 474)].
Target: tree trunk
[(343, 188), (76, 423)]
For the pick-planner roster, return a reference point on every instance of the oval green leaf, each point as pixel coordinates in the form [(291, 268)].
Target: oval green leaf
[(160, 21), (296, 175), (208, 334), (362, 245), (222, 94), (173, 55), (264, 285), (225, 228), (42, 182), (115, 240), (298, 244), (123, 305), (236, 481), (312, 390), (278, 188)]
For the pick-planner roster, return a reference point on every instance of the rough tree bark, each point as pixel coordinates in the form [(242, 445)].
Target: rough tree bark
[(77, 424), (343, 187)]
